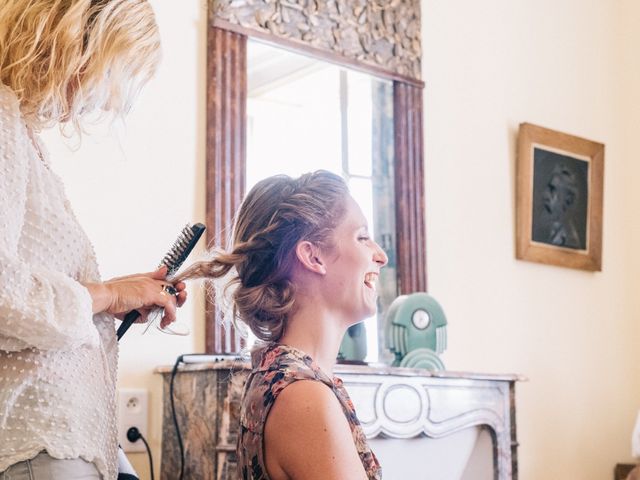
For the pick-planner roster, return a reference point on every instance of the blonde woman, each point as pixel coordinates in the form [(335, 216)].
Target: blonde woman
[(61, 60), (302, 268)]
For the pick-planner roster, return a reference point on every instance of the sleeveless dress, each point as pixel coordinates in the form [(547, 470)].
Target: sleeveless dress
[(274, 368)]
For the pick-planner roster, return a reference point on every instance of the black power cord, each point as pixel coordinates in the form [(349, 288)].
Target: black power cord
[(173, 414), (133, 435)]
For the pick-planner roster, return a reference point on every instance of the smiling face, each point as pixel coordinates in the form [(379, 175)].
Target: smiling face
[(353, 266)]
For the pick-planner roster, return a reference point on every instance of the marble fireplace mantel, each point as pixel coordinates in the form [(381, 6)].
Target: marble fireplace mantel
[(392, 403)]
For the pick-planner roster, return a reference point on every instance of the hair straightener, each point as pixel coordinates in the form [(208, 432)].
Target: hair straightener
[(173, 260)]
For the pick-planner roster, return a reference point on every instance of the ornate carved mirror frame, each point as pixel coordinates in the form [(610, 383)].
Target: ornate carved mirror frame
[(381, 37)]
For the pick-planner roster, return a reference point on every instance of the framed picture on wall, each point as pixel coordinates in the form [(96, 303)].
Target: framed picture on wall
[(559, 198)]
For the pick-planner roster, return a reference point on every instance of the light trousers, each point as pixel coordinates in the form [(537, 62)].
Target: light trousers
[(44, 467)]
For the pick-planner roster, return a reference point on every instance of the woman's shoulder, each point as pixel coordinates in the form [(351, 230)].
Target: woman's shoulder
[(307, 426), (11, 122), (307, 395), (13, 135), (8, 100), (276, 368)]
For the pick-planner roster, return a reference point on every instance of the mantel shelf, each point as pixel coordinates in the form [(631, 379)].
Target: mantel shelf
[(340, 369)]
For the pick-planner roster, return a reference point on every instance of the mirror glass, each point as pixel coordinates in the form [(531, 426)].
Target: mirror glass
[(305, 114)]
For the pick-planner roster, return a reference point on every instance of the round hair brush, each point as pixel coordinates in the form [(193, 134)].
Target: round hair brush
[(173, 260)]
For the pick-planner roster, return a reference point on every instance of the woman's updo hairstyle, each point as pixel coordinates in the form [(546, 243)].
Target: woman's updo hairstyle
[(276, 214)]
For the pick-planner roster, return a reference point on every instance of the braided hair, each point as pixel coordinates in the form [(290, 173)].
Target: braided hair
[(256, 269)]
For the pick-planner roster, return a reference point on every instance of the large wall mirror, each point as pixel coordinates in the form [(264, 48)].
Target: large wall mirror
[(281, 98)]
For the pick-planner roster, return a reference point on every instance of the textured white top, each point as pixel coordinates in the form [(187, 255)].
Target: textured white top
[(57, 361)]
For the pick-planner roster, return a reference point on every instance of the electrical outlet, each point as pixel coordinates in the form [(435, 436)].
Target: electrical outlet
[(132, 412)]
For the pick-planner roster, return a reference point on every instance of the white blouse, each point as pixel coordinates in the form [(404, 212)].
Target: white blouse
[(57, 361)]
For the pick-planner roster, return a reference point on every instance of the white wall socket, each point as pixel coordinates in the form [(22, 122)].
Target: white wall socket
[(132, 412)]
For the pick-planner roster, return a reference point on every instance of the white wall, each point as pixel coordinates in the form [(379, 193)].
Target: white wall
[(135, 188), (570, 65)]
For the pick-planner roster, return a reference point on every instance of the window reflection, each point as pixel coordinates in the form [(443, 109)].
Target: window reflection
[(305, 114)]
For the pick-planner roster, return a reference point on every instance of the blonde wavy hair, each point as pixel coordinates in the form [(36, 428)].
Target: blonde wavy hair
[(65, 59)]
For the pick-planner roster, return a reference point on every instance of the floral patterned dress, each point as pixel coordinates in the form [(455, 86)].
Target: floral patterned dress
[(274, 368)]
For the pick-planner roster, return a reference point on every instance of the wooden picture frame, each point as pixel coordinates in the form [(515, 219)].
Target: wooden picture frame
[(559, 196)]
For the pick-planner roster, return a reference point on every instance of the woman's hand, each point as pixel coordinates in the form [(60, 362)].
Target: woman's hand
[(142, 292)]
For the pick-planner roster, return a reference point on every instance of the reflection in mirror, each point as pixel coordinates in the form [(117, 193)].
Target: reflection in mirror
[(305, 114)]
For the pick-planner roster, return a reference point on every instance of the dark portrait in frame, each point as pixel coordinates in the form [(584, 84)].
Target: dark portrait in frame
[(559, 198)]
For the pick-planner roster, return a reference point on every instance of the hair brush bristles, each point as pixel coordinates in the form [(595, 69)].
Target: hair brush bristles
[(181, 248)]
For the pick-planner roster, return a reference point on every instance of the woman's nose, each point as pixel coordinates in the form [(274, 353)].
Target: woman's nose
[(379, 256)]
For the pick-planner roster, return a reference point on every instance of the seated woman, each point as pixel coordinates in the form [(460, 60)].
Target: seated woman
[(302, 268)]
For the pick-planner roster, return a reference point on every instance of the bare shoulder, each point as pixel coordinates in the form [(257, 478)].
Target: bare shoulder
[(307, 436)]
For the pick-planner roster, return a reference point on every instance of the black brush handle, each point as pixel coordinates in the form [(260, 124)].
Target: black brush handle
[(129, 319)]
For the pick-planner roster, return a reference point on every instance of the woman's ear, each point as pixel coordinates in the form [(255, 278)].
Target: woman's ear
[(310, 257)]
